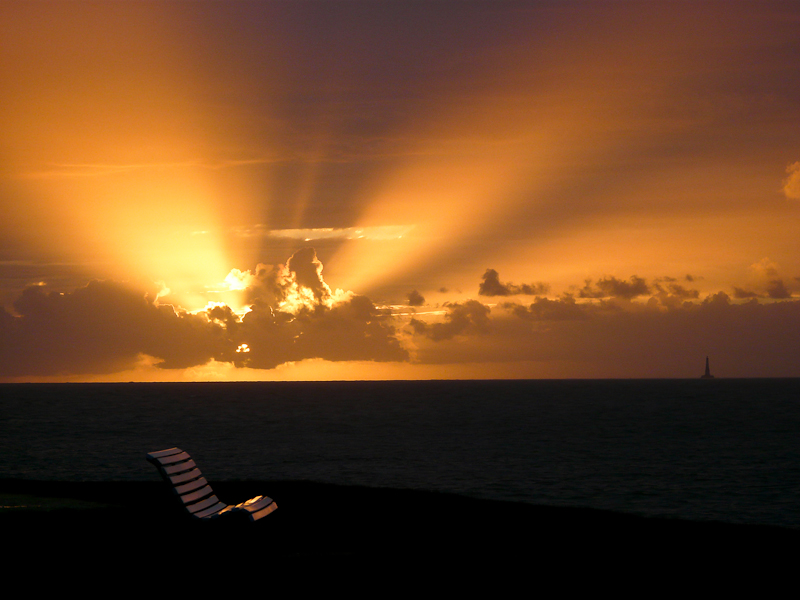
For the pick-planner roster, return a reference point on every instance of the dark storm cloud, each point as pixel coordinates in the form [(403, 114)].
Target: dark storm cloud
[(491, 286), (599, 339), (611, 287), (742, 294), (352, 330), (679, 291), (105, 327), (100, 328), (777, 289), (465, 318), (670, 293), (415, 298), (543, 309)]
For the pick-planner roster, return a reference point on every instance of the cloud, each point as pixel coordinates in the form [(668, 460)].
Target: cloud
[(238, 280), (415, 298), (765, 268), (100, 328), (594, 338), (291, 287), (543, 309), (678, 291), (351, 330), (791, 185), (491, 286), (294, 316), (777, 289), (465, 318), (765, 281), (105, 327), (742, 294), (670, 293), (611, 287), (307, 272)]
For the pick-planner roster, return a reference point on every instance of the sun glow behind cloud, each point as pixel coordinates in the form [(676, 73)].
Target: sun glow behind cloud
[(116, 181), (189, 149)]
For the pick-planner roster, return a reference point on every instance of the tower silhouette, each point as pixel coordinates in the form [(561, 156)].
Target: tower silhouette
[(707, 374)]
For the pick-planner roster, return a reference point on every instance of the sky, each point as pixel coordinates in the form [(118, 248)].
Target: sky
[(394, 189)]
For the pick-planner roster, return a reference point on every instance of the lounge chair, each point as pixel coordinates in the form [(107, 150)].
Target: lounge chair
[(181, 472)]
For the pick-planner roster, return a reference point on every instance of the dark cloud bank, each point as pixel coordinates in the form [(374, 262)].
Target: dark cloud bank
[(614, 337), (611, 328), (104, 327), (491, 286)]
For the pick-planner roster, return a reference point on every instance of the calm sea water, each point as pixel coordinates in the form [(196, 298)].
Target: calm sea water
[(724, 450)]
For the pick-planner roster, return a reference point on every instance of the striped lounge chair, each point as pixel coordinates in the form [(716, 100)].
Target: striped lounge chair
[(181, 472)]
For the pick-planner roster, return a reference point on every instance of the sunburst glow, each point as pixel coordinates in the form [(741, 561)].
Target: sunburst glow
[(485, 183)]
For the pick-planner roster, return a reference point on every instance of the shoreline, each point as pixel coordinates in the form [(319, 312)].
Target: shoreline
[(367, 541), (323, 521)]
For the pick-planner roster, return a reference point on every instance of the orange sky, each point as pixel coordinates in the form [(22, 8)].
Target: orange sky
[(569, 189)]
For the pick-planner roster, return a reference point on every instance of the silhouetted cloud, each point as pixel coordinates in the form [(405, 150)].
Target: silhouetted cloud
[(415, 298), (351, 330), (465, 318), (742, 294), (681, 292), (106, 327), (597, 338), (777, 289), (543, 309), (611, 287), (491, 286), (100, 328), (307, 271), (670, 293)]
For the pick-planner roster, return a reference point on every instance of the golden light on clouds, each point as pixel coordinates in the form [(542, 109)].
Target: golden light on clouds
[(791, 186), (204, 160), (534, 146)]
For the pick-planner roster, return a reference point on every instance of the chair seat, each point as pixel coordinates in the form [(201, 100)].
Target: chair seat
[(180, 471)]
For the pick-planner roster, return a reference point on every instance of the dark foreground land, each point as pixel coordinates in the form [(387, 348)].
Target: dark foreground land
[(90, 533)]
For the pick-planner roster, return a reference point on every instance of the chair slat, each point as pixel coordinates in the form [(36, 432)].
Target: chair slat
[(212, 511), (178, 468), (205, 503), (191, 486), (264, 511), (174, 458), (161, 453), (182, 477), (194, 496), (255, 504)]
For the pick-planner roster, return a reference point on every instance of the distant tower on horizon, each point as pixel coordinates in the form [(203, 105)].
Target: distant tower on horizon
[(707, 374)]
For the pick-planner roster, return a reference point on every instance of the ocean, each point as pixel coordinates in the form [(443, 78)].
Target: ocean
[(724, 450)]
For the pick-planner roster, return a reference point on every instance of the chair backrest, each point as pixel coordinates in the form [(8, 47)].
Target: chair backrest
[(178, 468)]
